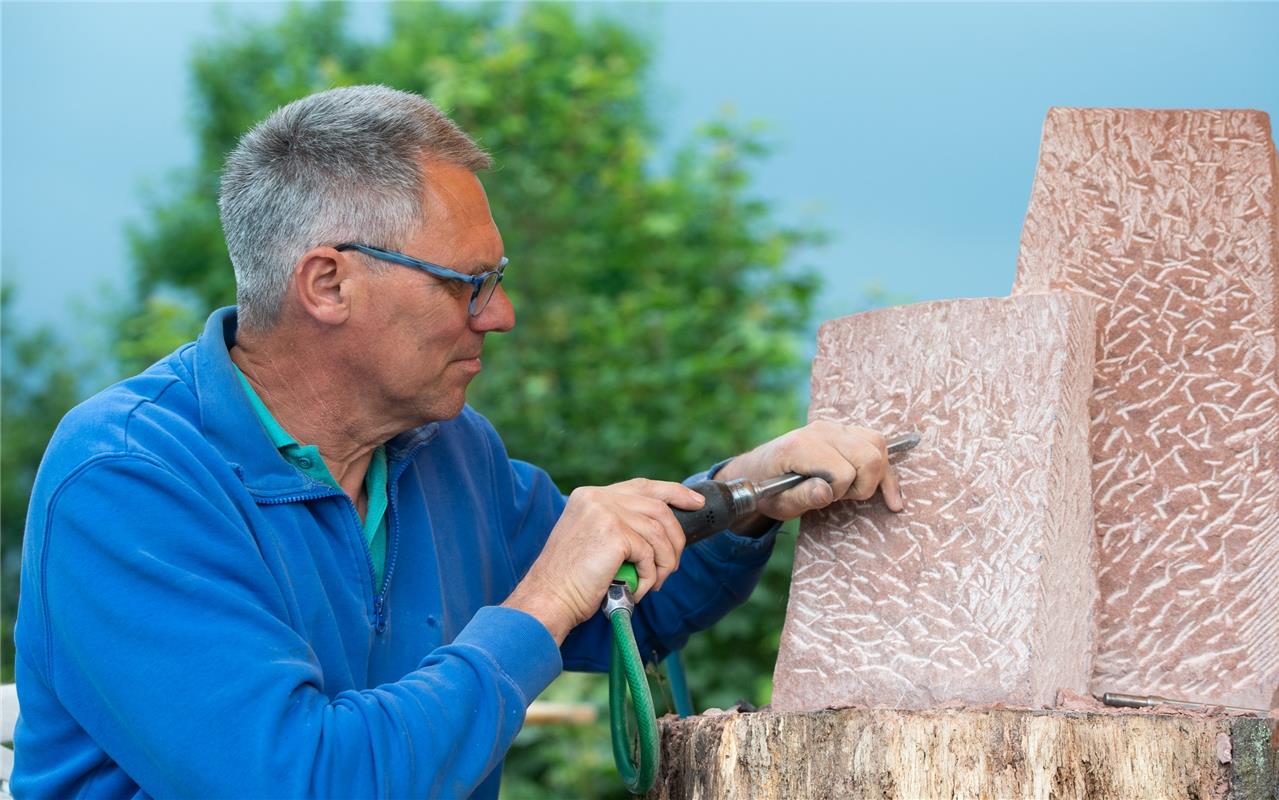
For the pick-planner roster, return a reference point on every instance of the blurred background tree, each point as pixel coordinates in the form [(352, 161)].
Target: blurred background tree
[(39, 380), (661, 316)]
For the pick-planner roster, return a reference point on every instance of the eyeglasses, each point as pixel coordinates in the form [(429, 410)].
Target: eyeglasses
[(482, 284)]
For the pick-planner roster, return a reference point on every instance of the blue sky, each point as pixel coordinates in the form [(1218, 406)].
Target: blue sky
[(908, 131)]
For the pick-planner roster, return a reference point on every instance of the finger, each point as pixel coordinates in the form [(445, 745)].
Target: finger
[(870, 458), (812, 494), (817, 494), (892, 491), (835, 461), (641, 556), (669, 492), (656, 534), (877, 439), (653, 520), (668, 546), (673, 537), (868, 479), (861, 446)]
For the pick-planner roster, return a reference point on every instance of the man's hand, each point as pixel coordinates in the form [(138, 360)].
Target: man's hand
[(847, 463), (601, 527)]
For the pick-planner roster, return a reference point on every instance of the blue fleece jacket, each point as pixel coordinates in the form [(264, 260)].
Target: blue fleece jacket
[(198, 618)]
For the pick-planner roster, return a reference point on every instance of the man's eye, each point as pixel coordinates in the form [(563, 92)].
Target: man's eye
[(457, 288)]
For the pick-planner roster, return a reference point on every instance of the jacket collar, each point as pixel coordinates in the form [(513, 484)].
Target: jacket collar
[(233, 428)]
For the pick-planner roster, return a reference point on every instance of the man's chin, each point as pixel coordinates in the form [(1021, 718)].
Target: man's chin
[(452, 410), (445, 406)]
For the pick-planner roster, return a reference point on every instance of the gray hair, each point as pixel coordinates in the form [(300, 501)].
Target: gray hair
[(336, 166)]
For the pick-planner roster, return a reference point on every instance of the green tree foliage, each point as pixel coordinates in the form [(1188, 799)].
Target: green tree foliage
[(40, 381), (657, 328), (660, 316)]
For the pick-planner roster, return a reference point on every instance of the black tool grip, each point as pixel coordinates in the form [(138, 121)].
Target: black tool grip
[(711, 518)]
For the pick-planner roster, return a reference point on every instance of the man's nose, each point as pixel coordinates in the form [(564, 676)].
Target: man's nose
[(498, 316)]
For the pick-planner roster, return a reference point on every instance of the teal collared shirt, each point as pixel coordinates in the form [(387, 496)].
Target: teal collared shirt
[(306, 458)]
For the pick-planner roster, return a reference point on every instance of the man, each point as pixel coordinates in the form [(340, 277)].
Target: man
[(288, 560)]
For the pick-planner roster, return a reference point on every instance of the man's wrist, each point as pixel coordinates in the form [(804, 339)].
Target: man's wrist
[(544, 608)]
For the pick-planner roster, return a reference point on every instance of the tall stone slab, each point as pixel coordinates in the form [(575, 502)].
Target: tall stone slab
[(982, 589), (1168, 219)]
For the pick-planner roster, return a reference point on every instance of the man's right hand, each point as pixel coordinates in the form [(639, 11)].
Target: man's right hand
[(602, 527)]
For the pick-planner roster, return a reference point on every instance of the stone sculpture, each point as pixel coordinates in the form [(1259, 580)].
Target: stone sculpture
[(981, 591), (1168, 219)]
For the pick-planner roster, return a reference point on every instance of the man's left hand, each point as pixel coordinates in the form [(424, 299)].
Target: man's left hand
[(846, 462)]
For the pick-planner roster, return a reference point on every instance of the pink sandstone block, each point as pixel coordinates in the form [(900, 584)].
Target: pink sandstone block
[(981, 590), (1168, 219)]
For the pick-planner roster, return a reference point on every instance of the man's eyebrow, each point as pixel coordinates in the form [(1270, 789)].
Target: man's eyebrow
[(483, 266)]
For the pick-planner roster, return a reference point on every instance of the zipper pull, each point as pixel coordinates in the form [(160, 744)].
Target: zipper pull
[(379, 618)]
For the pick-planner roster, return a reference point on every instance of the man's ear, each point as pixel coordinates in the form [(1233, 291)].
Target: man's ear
[(322, 284)]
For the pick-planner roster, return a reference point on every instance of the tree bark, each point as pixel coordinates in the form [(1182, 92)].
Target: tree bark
[(962, 753)]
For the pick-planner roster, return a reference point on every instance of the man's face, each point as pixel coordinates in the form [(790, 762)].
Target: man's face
[(422, 345)]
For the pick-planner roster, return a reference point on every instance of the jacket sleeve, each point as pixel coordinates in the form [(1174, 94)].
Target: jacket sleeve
[(170, 643)]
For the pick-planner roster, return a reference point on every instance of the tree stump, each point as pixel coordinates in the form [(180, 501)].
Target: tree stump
[(966, 753)]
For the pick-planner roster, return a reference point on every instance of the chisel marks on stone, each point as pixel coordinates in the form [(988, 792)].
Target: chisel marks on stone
[(982, 589), (1169, 217)]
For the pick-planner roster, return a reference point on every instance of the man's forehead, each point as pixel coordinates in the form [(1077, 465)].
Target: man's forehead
[(456, 211), (452, 188)]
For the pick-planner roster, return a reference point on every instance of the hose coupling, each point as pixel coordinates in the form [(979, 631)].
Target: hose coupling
[(619, 598)]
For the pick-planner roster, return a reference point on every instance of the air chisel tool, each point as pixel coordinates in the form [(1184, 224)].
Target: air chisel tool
[(728, 502)]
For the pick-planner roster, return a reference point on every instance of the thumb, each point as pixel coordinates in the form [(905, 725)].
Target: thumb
[(811, 494), (817, 493)]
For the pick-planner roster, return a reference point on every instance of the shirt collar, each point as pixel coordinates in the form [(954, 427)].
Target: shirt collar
[(232, 425), (274, 430)]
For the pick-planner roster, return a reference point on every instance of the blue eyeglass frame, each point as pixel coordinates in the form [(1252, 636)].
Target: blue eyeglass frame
[(477, 281)]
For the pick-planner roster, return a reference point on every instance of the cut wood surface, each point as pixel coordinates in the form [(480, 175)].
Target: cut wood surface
[(964, 753)]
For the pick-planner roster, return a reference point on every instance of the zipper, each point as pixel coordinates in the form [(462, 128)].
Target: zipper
[(379, 598), (378, 624), (392, 531), (294, 498), (393, 537), (392, 550)]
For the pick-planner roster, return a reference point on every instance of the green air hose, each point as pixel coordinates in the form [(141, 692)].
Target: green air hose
[(626, 671), (680, 695)]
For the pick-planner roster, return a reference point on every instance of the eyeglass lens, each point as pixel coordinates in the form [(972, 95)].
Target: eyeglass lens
[(485, 293)]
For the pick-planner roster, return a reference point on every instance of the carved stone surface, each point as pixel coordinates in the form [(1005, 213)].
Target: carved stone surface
[(981, 590), (1168, 218)]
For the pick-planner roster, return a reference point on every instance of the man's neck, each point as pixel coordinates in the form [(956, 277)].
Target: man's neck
[(305, 396)]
